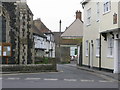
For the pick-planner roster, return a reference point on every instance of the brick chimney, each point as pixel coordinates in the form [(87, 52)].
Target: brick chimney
[(78, 14)]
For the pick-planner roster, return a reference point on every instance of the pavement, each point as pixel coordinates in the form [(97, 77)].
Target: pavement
[(109, 74)]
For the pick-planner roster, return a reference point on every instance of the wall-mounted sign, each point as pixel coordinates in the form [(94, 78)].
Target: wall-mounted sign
[(7, 51)]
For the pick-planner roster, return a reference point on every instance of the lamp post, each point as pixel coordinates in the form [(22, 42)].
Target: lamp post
[(60, 40)]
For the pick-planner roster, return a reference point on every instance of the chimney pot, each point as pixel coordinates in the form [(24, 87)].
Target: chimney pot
[(78, 14)]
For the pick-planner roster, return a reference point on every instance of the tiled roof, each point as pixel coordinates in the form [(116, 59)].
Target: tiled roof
[(70, 41), (41, 26), (36, 31), (65, 41)]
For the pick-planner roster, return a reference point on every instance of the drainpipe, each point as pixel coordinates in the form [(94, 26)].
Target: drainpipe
[(100, 54)]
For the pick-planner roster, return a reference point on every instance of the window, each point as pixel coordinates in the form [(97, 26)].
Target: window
[(4, 29), (76, 51), (88, 16), (107, 6), (97, 47), (110, 46), (87, 48), (98, 10)]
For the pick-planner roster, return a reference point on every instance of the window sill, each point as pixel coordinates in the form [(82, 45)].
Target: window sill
[(110, 57), (88, 25), (86, 55), (97, 56), (97, 20), (106, 12)]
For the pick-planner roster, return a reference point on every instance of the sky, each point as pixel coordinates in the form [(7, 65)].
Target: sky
[(52, 11)]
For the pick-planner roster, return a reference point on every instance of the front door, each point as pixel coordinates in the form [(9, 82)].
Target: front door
[(119, 56), (91, 55)]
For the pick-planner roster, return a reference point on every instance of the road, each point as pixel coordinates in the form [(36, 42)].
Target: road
[(67, 77)]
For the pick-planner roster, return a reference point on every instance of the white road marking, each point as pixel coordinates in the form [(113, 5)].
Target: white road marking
[(104, 81), (87, 80), (70, 80), (32, 78), (13, 78), (52, 79)]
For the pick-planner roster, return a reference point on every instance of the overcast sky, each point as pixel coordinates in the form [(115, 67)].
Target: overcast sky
[(51, 11)]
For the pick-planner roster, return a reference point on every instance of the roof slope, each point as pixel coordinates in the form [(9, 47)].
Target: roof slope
[(41, 26), (75, 30), (36, 31)]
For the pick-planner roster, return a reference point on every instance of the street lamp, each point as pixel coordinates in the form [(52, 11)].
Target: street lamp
[(60, 39)]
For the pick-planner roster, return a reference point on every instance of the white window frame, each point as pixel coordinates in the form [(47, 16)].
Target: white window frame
[(98, 11), (110, 46), (88, 16), (87, 47), (107, 6), (97, 47)]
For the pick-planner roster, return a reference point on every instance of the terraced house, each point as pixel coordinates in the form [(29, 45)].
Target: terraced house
[(15, 30), (101, 42)]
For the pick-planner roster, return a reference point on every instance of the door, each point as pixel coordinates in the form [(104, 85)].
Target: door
[(91, 55), (79, 59), (119, 56)]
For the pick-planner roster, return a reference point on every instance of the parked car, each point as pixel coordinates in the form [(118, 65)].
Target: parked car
[(73, 58)]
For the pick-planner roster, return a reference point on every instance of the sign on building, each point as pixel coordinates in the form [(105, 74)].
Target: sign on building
[(6, 51)]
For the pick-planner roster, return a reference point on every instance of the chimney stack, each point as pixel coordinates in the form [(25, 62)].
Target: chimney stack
[(78, 14)]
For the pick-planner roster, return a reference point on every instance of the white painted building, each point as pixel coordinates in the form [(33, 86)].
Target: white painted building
[(40, 42), (44, 40), (101, 37), (50, 44)]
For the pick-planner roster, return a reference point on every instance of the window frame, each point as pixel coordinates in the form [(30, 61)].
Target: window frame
[(106, 6), (87, 48), (98, 11), (110, 47), (88, 17), (97, 47)]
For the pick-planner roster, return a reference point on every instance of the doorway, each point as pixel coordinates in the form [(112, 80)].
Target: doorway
[(91, 55), (119, 56)]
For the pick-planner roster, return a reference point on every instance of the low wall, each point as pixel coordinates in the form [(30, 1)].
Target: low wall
[(29, 68)]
